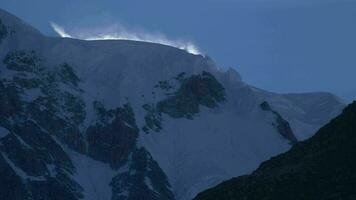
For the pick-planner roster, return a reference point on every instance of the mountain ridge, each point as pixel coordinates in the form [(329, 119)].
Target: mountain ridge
[(145, 114)]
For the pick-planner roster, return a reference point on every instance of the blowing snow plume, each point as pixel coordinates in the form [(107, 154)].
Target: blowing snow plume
[(116, 32)]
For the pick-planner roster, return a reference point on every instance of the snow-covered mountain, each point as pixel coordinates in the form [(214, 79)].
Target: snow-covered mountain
[(321, 167), (127, 120)]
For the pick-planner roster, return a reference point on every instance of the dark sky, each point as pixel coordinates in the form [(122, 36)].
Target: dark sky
[(282, 46)]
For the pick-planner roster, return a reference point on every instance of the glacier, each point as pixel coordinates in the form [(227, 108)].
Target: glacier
[(130, 119)]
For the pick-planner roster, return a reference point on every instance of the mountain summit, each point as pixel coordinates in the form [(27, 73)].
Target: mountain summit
[(127, 120)]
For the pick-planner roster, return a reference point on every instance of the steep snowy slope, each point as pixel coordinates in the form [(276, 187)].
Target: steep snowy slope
[(322, 167), (125, 119)]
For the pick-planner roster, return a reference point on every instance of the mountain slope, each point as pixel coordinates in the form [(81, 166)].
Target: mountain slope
[(322, 167), (131, 120)]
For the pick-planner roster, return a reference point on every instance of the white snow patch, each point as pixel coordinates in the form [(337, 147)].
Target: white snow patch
[(94, 176), (3, 132), (32, 94), (303, 130), (149, 183), (52, 169)]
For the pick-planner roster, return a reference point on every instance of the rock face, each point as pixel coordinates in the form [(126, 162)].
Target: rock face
[(194, 91), (322, 167), (39, 105), (281, 124), (126, 120), (185, 102), (3, 31)]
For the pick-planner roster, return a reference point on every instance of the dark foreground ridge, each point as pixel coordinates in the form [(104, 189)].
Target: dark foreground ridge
[(322, 167)]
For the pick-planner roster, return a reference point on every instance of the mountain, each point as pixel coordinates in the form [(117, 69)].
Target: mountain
[(126, 120), (322, 167)]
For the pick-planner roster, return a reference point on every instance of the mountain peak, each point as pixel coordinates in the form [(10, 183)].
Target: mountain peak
[(16, 25), (131, 120)]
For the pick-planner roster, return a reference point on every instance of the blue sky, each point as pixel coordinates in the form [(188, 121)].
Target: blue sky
[(282, 46)]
